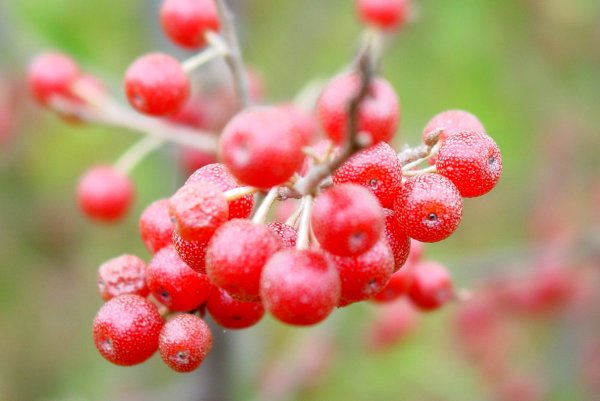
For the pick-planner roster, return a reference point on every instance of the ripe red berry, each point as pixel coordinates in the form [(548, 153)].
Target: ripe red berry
[(376, 168), (347, 220), (231, 313), (378, 115), (452, 122), (104, 194), (305, 123), (125, 274), (299, 287), (191, 159), (186, 21), (431, 285), (197, 210), (392, 323), (364, 275), (397, 286), (236, 255), (126, 330), (261, 147), (156, 84), (287, 234), (51, 74), (175, 284), (193, 253), (428, 207), (184, 342), (219, 175), (385, 14), (156, 229), (398, 241), (472, 161)]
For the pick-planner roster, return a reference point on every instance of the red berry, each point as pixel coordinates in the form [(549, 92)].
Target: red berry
[(287, 234), (376, 168), (126, 330), (305, 123), (431, 285), (219, 175), (392, 323), (428, 207), (364, 275), (192, 159), (197, 210), (236, 255), (187, 21), (417, 248), (347, 220), (397, 286), (299, 287), (231, 313), (156, 84), (378, 115), (452, 122), (51, 74), (184, 342), (125, 274), (385, 14), (261, 147), (175, 284), (472, 161), (398, 241), (104, 194), (193, 253), (155, 226)]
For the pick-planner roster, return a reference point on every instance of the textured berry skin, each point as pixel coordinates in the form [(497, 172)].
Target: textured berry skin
[(126, 330), (428, 207), (104, 194), (193, 253), (231, 313), (431, 286), (287, 234), (397, 286), (125, 274), (452, 122), (378, 115), (385, 14), (376, 168), (186, 21), (364, 275), (472, 161), (300, 287), (261, 147), (156, 229), (197, 210), (51, 74), (236, 256), (156, 84), (184, 342), (219, 175), (347, 220), (398, 241), (175, 284)]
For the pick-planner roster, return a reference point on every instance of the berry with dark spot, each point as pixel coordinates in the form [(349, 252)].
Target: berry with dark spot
[(184, 342), (230, 313)]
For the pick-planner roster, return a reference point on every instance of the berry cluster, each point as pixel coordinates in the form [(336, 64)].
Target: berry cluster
[(213, 249)]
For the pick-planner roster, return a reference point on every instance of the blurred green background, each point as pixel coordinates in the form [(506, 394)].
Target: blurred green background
[(529, 69)]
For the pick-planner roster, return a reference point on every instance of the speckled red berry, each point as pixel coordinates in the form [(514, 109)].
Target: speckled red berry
[(431, 285), (231, 313), (175, 284), (452, 122), (299, 287), (378, 115), (184, 342), (126, 330), (156, 84), (472, 161), (377, 169), (347, 220), (287, 234), (51, 74), (261, 147), (396, 238), (236, 256), (428, 207), (397, 286), (104, 194), (186, 21), (125, 274), (193, 253), (156, 229), (385, 14)]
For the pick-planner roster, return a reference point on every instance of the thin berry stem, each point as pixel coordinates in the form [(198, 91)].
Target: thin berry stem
[(293, 219), (261, 213), (410, 173), (434, 150), (136, 153), (239, 192), (210, 53), (304, 229)]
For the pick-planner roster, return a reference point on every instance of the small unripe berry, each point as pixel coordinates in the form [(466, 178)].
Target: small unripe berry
[(126, 330), (125, 274), (230, 313), (184, 342), (156, 229), (51, 74), (385, 14), (156, 84), (187, 21), (104, 194)]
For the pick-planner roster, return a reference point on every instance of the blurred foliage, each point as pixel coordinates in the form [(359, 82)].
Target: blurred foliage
[(527, 68)]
